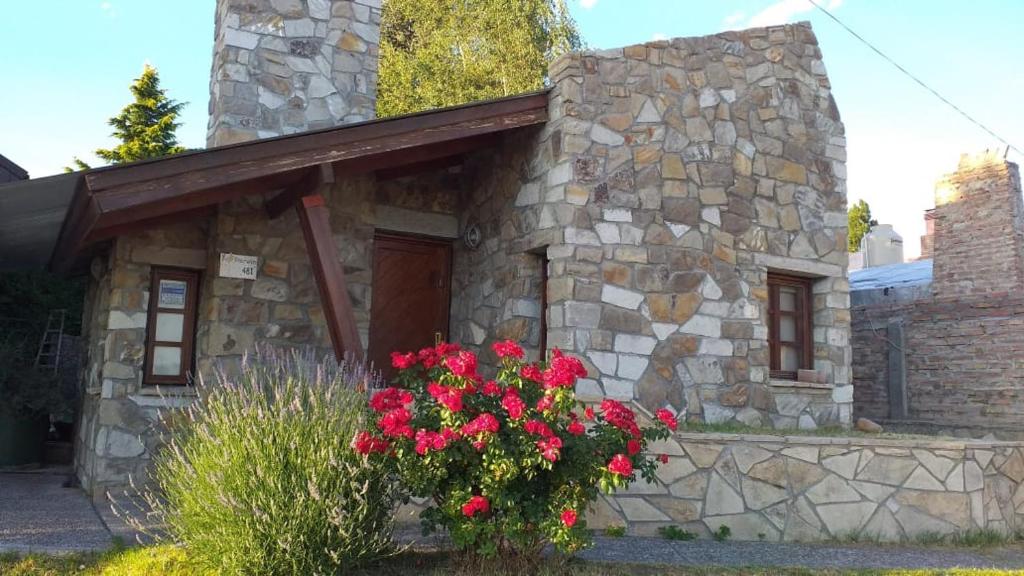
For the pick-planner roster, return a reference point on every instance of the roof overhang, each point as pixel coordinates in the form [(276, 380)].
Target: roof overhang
[(105, 202)]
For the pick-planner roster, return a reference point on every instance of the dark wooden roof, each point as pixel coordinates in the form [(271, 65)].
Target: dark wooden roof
[(114, 200)]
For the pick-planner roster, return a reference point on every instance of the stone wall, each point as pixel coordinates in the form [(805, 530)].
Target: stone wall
[(118, 420), (287, 66), (681, 172), (810, 489)]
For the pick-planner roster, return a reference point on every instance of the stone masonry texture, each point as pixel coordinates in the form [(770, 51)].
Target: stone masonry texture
[(681, 172), (964, 334), (811, 489), (287, 66)]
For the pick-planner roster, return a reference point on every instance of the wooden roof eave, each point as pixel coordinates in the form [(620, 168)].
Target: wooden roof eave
[(110, 200)]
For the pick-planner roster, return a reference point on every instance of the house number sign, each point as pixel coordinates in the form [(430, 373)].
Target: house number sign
[(238, 266)]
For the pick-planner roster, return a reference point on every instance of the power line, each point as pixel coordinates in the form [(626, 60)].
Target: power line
[(916, 79)]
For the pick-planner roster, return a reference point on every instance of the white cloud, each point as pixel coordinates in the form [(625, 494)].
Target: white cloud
[(784, 11), (587, 4), (106, 6), (734, 18), (659, 36)]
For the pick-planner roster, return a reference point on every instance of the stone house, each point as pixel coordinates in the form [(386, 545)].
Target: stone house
[(937, 342), (671, 212)]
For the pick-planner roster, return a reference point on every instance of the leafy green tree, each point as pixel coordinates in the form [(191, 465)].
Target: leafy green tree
[(146, 127), (437, 53), (860, 223)]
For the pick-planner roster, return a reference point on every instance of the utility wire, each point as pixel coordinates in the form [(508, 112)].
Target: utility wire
[(916, 79)]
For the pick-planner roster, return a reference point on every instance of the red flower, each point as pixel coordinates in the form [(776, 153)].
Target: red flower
[(632, 447), (428, 356), (563, 371), (531, 372), (620, 465), (366, 443), (483, 424), (550, 447), (491, 388), (448, 396), (389, 399), (663, 458), (462, 364), (538, 428), (621, 417), (403, 361), (427, 440), (545, 403), (396, 423), (667, 418), (513, 404), (445, 349), (569, 518), (588, 413), (507, 348), (575, 428), (475, 504)]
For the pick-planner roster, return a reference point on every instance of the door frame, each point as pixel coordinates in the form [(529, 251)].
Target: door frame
[(416, 239)]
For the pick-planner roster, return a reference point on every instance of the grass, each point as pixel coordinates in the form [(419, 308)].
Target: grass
[(171, 561), (983, 538)]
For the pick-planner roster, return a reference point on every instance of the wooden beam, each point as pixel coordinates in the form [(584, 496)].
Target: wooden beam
[(195, 182), (312, 183), (503, 113), (191, 215), (314, 219)]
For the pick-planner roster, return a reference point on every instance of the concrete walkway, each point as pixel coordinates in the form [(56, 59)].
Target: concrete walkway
[(37, 514)]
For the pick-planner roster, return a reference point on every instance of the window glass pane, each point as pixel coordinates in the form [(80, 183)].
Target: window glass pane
[(169, 326), (172, 294), (787, 328), (166, 361), (787, 299), (789, 358)]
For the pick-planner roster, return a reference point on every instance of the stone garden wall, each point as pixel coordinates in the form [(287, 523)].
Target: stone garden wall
[(811, 489), (681, 172)]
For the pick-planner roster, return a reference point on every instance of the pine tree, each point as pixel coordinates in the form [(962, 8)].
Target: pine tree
[(146, 127), (860, 223), (437, 53)]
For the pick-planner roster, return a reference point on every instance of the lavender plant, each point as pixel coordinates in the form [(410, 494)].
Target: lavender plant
[(258, 477)]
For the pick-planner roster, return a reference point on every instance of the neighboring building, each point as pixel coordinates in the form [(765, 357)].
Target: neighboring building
[(673, 212), (937, 342), (11, 172), (881, 246)]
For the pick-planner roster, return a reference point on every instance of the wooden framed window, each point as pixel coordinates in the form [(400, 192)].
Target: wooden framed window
[(171, 326), (789, 326)]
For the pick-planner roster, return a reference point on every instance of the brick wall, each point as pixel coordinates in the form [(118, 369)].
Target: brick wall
[(963, 359), (978, 228)]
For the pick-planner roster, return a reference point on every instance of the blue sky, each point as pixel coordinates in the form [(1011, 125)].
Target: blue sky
[(59, 90)]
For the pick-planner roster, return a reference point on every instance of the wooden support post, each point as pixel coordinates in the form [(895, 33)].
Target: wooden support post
[(898, 401), (314, 218)]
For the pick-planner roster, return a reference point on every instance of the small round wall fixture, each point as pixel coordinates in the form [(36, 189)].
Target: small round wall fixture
[(472, 236)]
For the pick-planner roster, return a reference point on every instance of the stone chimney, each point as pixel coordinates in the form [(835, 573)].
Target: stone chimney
[(928, 240), (286, 66), (979, 228)]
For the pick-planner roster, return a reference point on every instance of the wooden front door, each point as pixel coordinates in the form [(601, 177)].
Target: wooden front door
[(411, 295)]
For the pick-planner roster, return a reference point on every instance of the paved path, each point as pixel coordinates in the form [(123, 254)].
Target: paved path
[(773, 554), (37, 514)]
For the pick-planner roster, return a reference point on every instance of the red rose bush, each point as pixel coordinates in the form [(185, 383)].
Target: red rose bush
[(509, 464)]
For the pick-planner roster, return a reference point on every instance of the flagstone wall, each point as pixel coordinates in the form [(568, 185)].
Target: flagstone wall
[(681, 173), (811, 489)]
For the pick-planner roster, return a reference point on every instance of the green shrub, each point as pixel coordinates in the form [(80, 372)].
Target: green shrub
[(722, 534), (615, 531), (673, 532), (259, 477)]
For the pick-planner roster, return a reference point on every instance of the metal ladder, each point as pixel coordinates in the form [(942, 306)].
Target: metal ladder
[(48, 356)]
